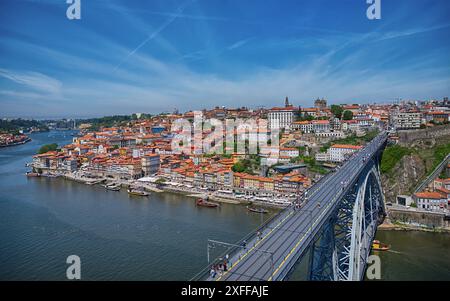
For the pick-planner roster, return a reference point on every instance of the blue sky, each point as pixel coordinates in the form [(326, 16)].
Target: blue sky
[(127, 56)]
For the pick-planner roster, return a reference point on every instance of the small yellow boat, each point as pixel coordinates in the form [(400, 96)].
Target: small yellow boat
[(378, 246), (137, 192)]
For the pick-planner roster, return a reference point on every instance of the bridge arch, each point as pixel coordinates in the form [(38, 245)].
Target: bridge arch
[(341, 250)]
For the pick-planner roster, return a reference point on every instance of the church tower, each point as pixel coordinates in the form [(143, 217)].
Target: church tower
[(286, 102)]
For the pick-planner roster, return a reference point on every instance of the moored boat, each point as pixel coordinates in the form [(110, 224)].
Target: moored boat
[(50, 175), (204, 203), (93, 182), (113, 187), (379, 246), (257, 210), (32, 174), (137, 192)]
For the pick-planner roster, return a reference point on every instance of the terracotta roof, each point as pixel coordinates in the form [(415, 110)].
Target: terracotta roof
[(429, 195), (310, 109), (347, 146), (321, 122), (439, 113), (47, 154), (443, 190), (290, 108), (350, 107)]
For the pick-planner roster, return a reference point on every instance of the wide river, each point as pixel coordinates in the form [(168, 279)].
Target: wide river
[(163, 237)]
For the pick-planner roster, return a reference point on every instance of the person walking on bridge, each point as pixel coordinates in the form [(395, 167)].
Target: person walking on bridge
[(213, 271), (227, 260)]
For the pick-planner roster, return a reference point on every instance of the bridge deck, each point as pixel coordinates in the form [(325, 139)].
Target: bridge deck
[(289, 234)]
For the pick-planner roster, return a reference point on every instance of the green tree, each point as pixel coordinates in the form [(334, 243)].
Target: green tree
[(306, 117), (348, 115), (47, 148), (238, 167), (337, 111), (245, 165), (160, 181), (440, 152), (392, 155), (324, 148), (311, 161)]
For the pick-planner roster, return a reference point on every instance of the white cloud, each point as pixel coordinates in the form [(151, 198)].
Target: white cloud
[(33, 80), (239, 44)]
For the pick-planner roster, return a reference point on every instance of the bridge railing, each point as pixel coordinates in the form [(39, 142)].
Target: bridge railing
[(204, 273)]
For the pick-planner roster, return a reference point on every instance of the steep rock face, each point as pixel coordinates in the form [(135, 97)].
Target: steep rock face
[(404, 177), (412, 169)]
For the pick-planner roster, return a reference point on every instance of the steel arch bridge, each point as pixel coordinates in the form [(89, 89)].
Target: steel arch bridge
[(341, 249), (335, 228)]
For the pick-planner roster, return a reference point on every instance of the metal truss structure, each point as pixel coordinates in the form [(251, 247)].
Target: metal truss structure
[(341, 248)]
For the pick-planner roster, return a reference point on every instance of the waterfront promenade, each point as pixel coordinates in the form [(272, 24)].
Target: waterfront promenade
[(195, 192)]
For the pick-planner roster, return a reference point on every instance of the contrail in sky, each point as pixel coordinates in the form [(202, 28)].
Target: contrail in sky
[(154, 34)]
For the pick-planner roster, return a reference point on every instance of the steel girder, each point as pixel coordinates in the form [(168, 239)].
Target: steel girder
[(342, 247)]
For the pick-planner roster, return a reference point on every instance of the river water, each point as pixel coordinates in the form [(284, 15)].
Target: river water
[(119, 237)]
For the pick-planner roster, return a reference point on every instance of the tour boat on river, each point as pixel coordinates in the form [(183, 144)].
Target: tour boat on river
[(378, 246)]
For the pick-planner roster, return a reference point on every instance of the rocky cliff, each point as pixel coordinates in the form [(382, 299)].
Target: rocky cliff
[(404, 178), (411, 169)]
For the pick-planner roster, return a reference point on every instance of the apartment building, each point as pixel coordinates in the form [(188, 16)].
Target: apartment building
[(313, 126), (281, 118), (433, 201), (338, 152), (150, 164), (406, 120)]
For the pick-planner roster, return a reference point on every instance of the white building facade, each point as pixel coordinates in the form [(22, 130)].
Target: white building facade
[(338, 152), (281, 118)]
